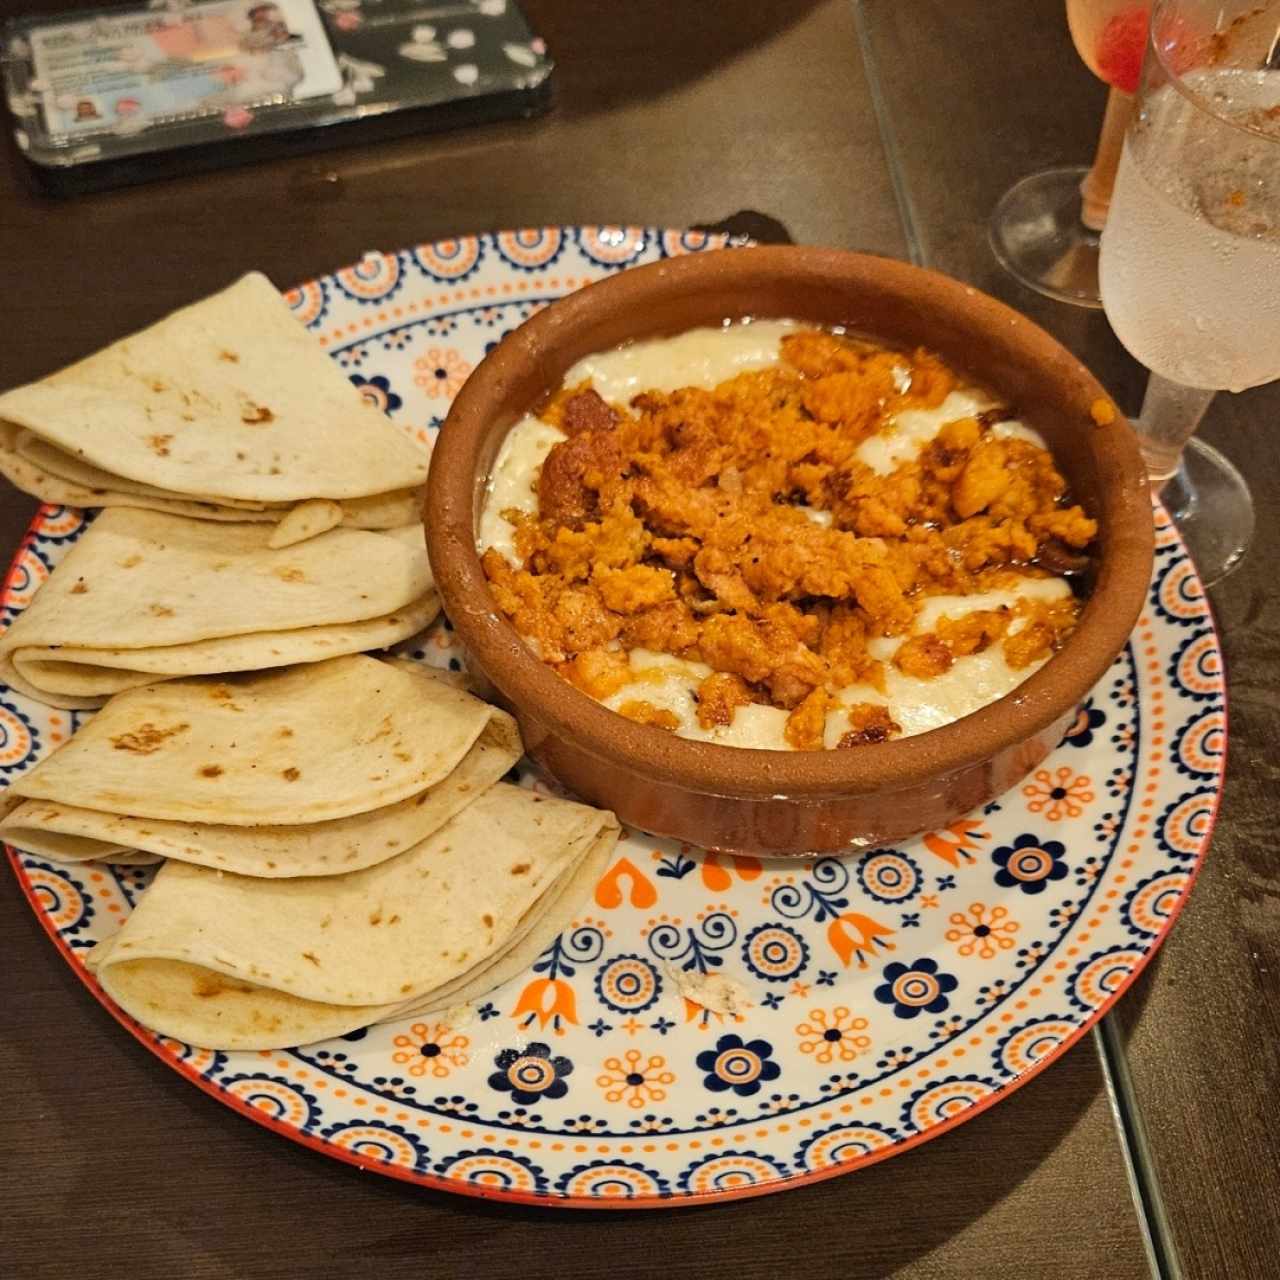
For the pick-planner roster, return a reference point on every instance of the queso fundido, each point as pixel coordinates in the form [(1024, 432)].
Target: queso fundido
[(771, 536)]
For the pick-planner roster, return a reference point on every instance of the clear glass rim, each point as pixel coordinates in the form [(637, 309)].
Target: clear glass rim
[(1198, 100)]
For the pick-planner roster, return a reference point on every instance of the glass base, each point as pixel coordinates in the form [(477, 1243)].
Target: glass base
[(1210, 503), (1037, 235)]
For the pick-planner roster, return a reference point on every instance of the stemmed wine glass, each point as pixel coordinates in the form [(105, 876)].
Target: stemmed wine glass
[(1045, 228), (1190, 263)]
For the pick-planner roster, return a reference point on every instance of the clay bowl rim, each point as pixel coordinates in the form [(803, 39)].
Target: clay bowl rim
[(534, 689)]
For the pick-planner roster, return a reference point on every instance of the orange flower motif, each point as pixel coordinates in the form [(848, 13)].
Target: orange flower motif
[(431, 1050), (699, 1013), (635, 1080), (609, 891), (441, 371), (719, 878), (548, 1000), (1059, 794), (956, 841), (982, 931), (831, 1035), (852, 935)]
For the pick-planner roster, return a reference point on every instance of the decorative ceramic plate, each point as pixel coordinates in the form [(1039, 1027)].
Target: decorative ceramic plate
[(878, 1000)]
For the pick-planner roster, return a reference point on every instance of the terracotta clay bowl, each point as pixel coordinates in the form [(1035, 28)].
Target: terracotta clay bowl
[(778, 802)]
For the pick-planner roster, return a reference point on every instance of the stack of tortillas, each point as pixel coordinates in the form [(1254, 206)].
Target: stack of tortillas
[(337, 846), (225, 410), (339, 849), (145, 596)]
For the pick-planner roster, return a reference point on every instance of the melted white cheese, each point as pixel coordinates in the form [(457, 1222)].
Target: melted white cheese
[(1012, 429), (669, 683), (699, 358), (908, 432), (513, 483), (973, 680)]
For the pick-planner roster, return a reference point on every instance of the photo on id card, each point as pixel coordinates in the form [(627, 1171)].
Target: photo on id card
[(125, 70)]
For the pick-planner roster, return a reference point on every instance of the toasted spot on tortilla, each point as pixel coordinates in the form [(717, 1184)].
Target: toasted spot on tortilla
[(326, 922), (131, 562), (488, 920), (159, 445), (376, 917), (209, 985), (290, 573), (229, 356), (157, 386), (80, 588), (520, 869), (384, 729), (307, 955), (146, 738), (406, 988), (284, 732), (160, 611), (256, 413), (290, 774), (211, 771), (395, 919)]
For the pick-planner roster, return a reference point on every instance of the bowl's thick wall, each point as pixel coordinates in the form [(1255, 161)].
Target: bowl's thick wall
[(782, 803)]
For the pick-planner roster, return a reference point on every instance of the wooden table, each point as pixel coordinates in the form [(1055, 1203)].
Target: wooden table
[(885, 125)]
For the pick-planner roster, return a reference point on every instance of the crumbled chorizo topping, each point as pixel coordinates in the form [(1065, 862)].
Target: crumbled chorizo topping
[(684, 523), (719, 696), (869, 723), (646, 713), (807, 723)]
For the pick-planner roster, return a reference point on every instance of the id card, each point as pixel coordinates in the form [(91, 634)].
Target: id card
[(125, 71)]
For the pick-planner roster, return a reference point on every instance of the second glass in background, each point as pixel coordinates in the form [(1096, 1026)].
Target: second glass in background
[(1045, 229)]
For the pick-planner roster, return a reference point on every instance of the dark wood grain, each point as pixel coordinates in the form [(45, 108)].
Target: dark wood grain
[(667, 112), (1203, 1025)]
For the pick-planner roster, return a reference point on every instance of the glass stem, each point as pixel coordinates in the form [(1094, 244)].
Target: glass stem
[(1099, 182), (1170, 415)]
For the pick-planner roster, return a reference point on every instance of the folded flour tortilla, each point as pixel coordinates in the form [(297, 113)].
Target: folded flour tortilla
[(144, 596), (227, 410), (71, 834), (304, 745), (527, 944), (224, 961)]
